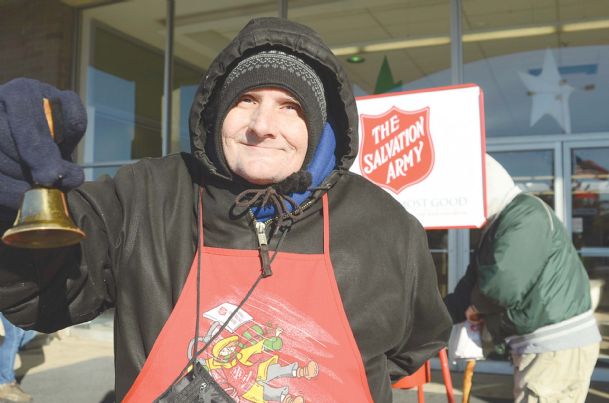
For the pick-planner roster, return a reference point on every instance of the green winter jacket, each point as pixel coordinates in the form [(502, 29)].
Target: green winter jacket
[(525, 273), (527, 264)]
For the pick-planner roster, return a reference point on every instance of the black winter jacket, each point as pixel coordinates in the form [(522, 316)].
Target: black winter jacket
[(141, 237)]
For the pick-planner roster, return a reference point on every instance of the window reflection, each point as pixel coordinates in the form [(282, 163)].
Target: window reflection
[(137, 82), (590, 226), (544, 77), (124, 99), (111, 112), (590, 197), (532, 171)]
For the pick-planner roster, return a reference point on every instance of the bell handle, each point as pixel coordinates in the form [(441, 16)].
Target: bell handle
[(48, 113)]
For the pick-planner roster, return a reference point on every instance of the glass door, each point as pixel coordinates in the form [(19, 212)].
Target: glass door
[(587, 175), (533, 170)]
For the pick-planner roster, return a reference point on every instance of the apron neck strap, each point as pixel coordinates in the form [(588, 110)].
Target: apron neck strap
[(326, 215)]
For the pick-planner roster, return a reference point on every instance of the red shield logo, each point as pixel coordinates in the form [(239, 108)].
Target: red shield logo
[(396, 149)]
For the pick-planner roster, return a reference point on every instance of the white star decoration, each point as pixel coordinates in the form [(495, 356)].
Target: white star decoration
[(550, 93)]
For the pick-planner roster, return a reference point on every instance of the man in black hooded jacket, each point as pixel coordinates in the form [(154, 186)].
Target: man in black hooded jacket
[(278, 272)]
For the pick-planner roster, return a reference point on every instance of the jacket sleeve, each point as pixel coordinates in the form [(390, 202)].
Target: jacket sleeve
[(513, 254), (429, 324), (49, 289), (457, 301)]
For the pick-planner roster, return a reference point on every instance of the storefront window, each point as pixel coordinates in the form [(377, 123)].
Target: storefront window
[(125, 88), (589, 171), (124, 94), (540, 64), (590, 197), (531, 170), (438, 245)]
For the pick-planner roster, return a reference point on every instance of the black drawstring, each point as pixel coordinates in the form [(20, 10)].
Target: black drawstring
[(269, 196), (199, 251)]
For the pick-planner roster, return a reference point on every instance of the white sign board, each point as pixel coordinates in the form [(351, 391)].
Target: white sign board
[(222, 312), (426, 148)]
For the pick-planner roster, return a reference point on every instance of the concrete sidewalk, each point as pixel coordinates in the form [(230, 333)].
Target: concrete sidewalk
[(77, 366), (68, 369)]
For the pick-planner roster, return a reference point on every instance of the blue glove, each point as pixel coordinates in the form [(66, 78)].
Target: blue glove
[(28, 153)]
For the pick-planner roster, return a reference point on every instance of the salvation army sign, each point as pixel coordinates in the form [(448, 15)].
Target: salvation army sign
[(426, 148), (398, 150)]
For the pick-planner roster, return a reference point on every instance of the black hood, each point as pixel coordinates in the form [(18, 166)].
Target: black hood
[(276, 33)]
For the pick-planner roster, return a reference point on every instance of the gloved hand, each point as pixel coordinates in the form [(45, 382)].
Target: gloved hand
[(28, 153)]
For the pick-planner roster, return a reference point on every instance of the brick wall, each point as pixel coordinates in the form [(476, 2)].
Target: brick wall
[(37, 41)]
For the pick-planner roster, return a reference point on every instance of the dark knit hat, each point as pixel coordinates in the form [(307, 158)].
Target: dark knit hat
[(273, 68)]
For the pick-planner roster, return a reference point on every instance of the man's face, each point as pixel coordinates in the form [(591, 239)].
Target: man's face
[(264, 136)]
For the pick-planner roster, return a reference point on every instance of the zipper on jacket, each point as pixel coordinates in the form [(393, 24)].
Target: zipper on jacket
[(263, 247)]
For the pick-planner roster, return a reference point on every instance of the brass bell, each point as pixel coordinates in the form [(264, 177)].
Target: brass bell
[(43, 221)]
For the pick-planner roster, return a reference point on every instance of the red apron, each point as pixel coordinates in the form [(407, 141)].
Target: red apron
[(291, 338)]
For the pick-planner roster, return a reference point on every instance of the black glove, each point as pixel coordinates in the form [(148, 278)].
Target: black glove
[(28, 153)]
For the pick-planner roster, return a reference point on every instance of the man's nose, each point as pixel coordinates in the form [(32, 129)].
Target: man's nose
[(262, 121)]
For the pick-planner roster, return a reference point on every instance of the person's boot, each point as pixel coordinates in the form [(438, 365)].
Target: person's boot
[(309, 371), (293, 399), (12, 392)]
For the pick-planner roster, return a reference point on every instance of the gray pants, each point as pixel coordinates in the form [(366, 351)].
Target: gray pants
[(272, 393), (559, 376)]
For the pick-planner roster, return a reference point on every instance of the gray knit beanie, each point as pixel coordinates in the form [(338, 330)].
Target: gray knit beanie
[(273, 68)]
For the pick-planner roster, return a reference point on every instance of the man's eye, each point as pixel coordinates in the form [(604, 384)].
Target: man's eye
[(293, 106), (246, 99)]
